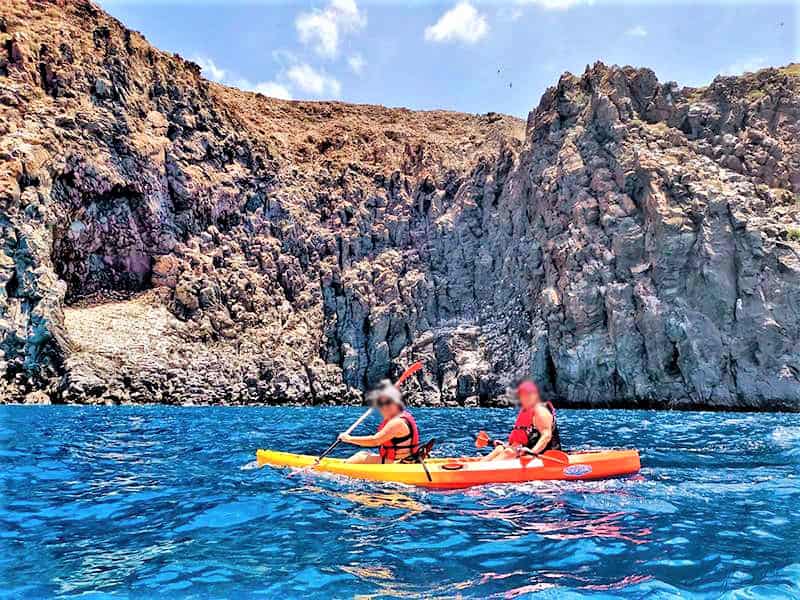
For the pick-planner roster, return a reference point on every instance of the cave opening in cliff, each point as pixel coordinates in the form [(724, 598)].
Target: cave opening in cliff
[(550, 371), (12, 285), (674, 367), (105, 244)]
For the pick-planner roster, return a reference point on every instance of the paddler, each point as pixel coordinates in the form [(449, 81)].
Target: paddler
[(397, 437), (535, 428)]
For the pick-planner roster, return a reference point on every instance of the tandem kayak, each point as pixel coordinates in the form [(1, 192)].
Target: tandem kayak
[(451, 473)]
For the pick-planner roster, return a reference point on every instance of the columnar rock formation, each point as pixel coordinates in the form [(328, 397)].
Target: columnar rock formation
[(169, 239)]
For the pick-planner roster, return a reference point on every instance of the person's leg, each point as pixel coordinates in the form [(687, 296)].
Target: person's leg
[(500, 453), (495, 454), (507, 453), (492, 454), (365, 457)]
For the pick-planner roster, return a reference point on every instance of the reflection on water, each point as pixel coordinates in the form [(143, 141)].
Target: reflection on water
[(138, 502), (394, 500), (396, 504)]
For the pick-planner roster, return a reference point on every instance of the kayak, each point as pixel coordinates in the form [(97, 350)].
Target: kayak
[(452, 473)]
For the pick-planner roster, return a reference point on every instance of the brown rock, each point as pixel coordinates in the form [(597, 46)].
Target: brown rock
[(37, 397), (165, 271)]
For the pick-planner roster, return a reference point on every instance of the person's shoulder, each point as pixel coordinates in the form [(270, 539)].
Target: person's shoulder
[(398, 420), (543, 409)]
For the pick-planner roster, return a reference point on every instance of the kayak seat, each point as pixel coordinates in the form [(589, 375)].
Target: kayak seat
[(422, 453)]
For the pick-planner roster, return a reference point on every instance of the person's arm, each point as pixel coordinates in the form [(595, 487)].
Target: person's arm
[(544, 424), (395, 428)]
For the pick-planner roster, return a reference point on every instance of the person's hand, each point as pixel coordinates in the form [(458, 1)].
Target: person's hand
[(346, 438)]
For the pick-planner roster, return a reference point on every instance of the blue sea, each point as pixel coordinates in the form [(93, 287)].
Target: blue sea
[(144, 502)]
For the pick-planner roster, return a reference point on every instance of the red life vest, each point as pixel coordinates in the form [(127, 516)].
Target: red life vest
[(410, 442), (526, 434)]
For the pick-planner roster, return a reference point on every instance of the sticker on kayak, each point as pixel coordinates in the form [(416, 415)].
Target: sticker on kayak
[(577, 470)]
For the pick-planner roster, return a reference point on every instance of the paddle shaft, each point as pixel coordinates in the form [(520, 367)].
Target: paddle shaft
[(350, 430), (543, 456), (406, 374)]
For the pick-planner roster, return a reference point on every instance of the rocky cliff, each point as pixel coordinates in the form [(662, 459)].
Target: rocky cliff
[(165, 238)]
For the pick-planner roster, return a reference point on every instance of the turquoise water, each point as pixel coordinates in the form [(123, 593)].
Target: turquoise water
[(139, 502)]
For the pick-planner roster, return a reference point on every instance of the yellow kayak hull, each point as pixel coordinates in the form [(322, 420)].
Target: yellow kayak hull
[(451, 473)]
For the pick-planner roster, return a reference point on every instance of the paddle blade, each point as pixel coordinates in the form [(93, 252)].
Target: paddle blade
[(482, 439), (557, 456), (408, 373)]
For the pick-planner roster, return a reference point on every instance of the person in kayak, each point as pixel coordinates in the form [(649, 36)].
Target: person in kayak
[(397, 437), (535, 428)]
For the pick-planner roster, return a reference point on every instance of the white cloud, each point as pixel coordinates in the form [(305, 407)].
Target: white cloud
[(293, 78), (749, 65), (637, 31), (555, 4), (311, 81), (272, 88), (324, 29), (268, 88), (357, 64), (209, 69), (462, 23)]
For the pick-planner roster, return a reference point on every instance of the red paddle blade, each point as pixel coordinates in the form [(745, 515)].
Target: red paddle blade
[(408, 373), (525, 459), (482, 439), (557, 456)]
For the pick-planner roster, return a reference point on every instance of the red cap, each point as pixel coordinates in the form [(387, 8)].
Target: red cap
[(527, 387)]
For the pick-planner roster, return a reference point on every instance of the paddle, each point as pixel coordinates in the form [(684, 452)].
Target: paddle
[(557, 456), (406, 374)]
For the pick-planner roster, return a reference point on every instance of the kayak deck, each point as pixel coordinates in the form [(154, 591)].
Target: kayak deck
[(449, 473)]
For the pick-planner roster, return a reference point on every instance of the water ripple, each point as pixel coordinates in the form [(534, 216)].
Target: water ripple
[(134, 502)]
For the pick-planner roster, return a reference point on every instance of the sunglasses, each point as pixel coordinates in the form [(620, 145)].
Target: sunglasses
[(383, 402)]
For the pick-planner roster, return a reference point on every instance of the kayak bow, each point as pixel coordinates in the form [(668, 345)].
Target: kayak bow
[(450, 473)]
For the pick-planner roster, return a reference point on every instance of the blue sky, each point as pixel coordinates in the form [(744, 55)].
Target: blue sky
[(464, 55)]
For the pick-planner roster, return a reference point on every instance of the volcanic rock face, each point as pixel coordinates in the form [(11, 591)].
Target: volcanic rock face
[(169, 239)]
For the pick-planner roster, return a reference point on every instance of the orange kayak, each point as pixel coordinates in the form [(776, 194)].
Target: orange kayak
[(451, 473)]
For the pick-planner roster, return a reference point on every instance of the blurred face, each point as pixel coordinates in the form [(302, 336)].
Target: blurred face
[(529, 399), (387, 408)]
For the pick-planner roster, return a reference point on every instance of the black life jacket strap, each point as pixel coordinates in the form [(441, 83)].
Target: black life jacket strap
[(422, 453), (396, 442)]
